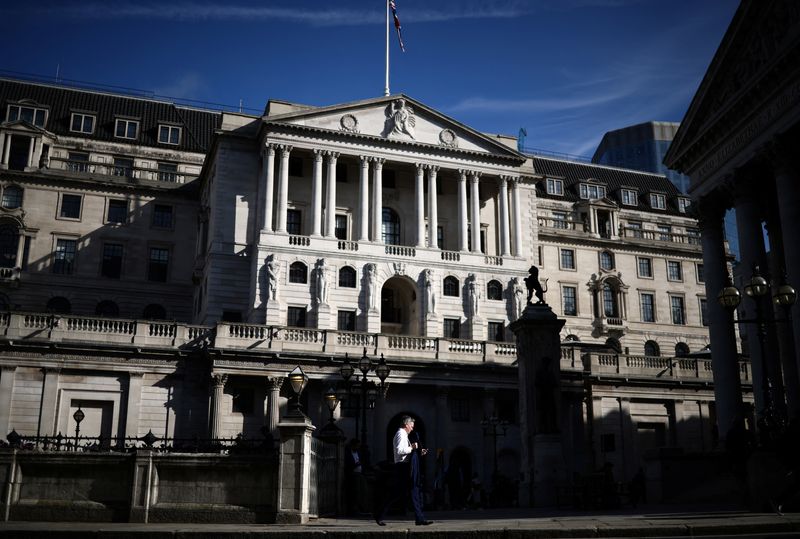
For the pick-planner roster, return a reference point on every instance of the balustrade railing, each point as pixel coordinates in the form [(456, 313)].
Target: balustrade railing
[(347, 245), (400, 250), (131, 173), (451, 256), (561, 224), (494, 260), (658, 235), (301, 241)]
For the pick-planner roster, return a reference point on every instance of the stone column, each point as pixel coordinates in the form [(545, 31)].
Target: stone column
[(7, 148), (268, 174), (294, 470), (505, 244), (363, 200), (47, 415), (134, 404), (377, 200), (316, 195), (433, 208), (215, 406), (476, 212), (515, 197), (542, 463), (463, 221), (283, 188), (419, 204), (724, 355), (31, 146), (7, 373), (272, 412), (330, 202)]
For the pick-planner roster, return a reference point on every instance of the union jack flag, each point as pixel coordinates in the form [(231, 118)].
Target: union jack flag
[(397, 25)]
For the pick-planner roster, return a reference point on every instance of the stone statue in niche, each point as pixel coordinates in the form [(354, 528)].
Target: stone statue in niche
[(272, 277), (322, 282), (372, 285), (473, 294), (430, 291), (532, 282), (518, 297), (401, 120)]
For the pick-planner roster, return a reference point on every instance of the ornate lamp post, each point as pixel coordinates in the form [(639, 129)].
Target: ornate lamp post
[(78, 416), (331, 401), (491, 428), (365, 390), (298, 381)]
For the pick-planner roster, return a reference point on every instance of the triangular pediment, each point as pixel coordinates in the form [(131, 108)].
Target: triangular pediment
[(21, 126), (396, 118)]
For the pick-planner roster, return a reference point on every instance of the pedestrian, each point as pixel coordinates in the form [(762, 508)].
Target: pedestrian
[(404, 483)]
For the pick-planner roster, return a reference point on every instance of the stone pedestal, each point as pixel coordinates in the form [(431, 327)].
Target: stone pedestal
[(539, 360), (294, 472), (373, 321), (273, 316), (477, 328), (431, 325), (324, 316)]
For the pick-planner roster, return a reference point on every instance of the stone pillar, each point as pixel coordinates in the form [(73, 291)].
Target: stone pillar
[(215, 406), (330, 202), (268, 174), (476, 212), (419, 205), (724, 355), (515, 198), (272, 412), (377, 200), (31, 146), (316, 195), (363, 200), (283, 188), (502, 195), (7, 373), (134, 404), (6, 150), (539, 368), (294, 469), (47, 415), (442, 421), (463, 221), (433, 208)]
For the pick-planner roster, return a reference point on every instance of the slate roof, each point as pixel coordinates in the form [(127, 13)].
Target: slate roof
[(613, 178), (198, 125)]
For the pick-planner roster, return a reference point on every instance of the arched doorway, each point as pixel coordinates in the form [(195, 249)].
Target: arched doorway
[(459, 477), (399, 307)]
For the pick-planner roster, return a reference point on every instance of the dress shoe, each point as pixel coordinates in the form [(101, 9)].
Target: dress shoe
[(379, 522), (423, 522)]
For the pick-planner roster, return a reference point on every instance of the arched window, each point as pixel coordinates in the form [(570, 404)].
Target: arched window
[(391, 227), (347, 277), (9, 242), (494, 290), (651, 349), (450, 287), (613, 344), (298, 273), (154, 311), (12, 197), (107, 308), (681, 349), (610, 301), (572, 338), (59, 305), (606, 260)]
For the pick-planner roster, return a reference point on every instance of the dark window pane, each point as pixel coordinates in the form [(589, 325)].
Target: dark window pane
[(117, 211), (391, 227), (70, 206), (12, 197), (651, 349), (452, 328), (167, 172), (112, 260), (64, 259), (570, 305), (296, 317), (346, 321), (347, 277), (341, 227), (9, 244), (648, 309), (497, 331), (294, 222), (162, 216), (450, 287), (494, 290), (159, 264), (298, 273), (123, 166)]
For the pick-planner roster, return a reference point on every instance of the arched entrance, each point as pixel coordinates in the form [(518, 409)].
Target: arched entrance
[(399, 307)]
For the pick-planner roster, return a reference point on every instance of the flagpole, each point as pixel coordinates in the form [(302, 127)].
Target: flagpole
[(386, 88)]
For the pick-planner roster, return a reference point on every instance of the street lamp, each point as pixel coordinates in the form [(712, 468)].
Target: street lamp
[(298, 381), (78, 416), (364, 390), (491, 428), (331, 401)]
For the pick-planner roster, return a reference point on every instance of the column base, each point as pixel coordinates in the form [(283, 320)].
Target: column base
[(431, 326), (324, 317), (548, 469), (477, 327), (373, 321), (273, 316)]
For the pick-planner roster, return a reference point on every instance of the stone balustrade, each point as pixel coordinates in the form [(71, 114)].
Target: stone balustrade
[(667, 368)]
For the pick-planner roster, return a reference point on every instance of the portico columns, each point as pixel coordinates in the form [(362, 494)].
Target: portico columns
[(330, 204), (377, 199), (283, 188), (273, 406), (316, 195), (463, 223), (419, 204), (515, 194), (724, 356), (502, 194), (433, 210), (476, 208), (217, 389), (268, 173), (363, 200)]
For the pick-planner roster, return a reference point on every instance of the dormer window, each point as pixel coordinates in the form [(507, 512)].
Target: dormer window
[(555, 187), (683, 204), (126, 129), (629, 197), (82, 123), (32, 115), (658, 201), (592, 191), (169, 134)]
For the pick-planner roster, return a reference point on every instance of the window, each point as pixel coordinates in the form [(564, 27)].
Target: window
[(494, 290), (681, 349), (154, 311), (296, 166), (340, 227), (651, 349), (9, 245), (610, 301), (606, 261), (117, 211), (459, 408), (497, 331), (341, 172), (592, 191), (683, 204), (701, 278), (678, 312), (107, 308), (452, 328), (560, 220), (82, 123), (159, 264), (703, 311), (162, 216), (123, 166), (629, 197), (78, 162), (58, 305), (346, 321), (112, 260), (294, 222), (647, 300), (636, 228), (440, 237), (555, 187), (692, 236), (390, 227), (126, 129), (567, 259), (167, 172), (664, 232), (298, 273), (32, 115), (568, 300), (674, 270), (169, 134), (12, 197), (70, 206), (450, 287), (64, 257), (347, 277), (645, 267), (296, 317), (613, 344), (658, 201)]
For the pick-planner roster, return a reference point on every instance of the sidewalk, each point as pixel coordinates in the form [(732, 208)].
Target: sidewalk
[(505, 524)]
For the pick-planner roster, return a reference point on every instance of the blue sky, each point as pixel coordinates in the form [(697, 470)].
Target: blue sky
[(566, 70)]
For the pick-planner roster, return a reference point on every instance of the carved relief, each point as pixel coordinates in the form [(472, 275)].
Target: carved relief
[(349, 123), (447, 137), (400, 120)]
